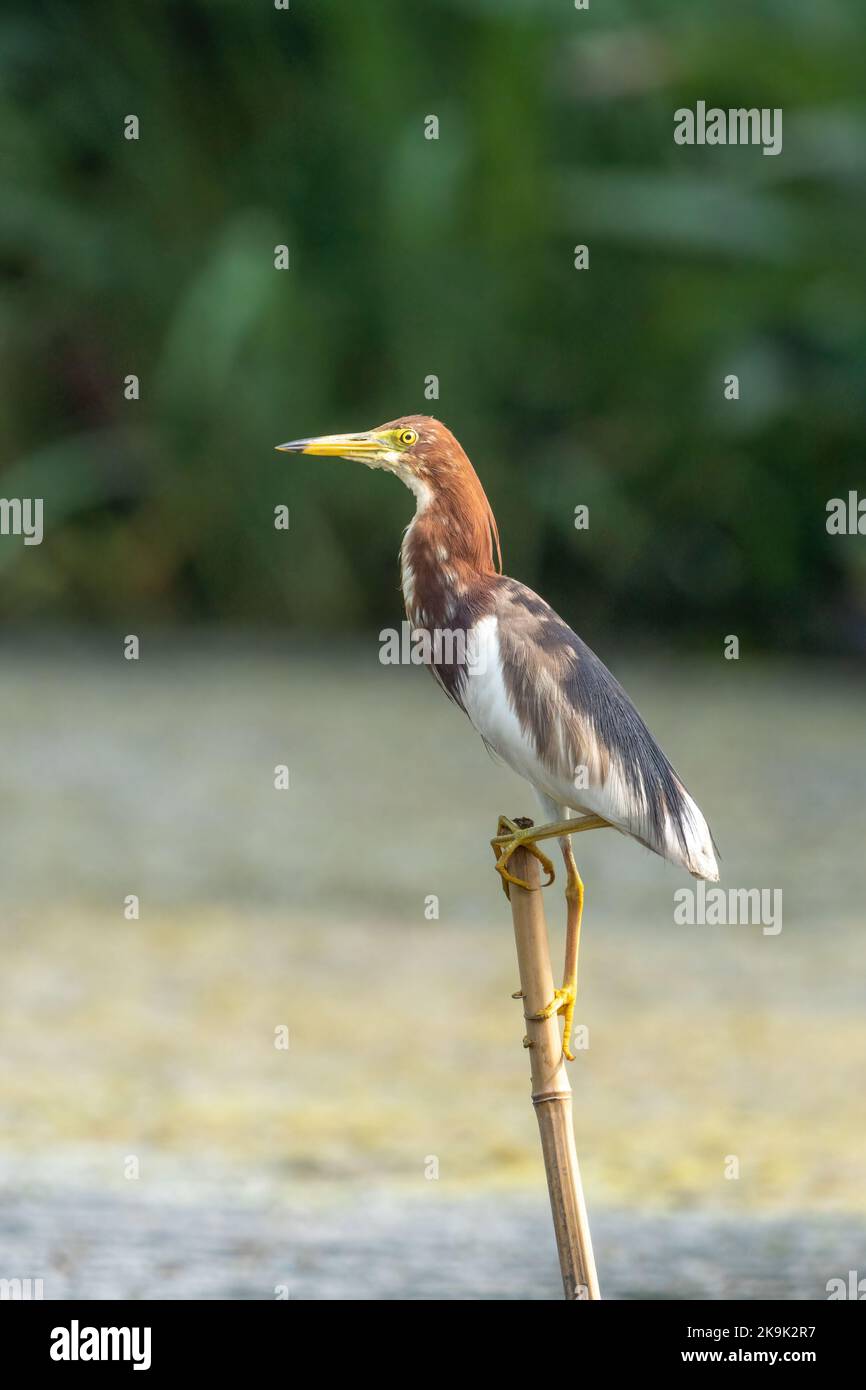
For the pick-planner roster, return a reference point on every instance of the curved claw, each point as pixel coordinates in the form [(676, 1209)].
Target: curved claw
[(561, 1003), (504, 844)]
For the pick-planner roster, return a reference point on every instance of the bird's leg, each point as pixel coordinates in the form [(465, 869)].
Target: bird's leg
[(518, 834), (512, 835), (564, 999)]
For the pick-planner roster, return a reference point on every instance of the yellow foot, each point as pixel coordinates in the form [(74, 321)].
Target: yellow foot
[(561, 1003), (511, 836)]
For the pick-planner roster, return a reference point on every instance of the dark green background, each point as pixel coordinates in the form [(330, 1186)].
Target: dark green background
[(454, 257)]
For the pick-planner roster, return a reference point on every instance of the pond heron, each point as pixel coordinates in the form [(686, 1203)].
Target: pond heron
[(539, 698)]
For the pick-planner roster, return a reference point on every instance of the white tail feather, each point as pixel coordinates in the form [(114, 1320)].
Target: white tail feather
[(697, 855)]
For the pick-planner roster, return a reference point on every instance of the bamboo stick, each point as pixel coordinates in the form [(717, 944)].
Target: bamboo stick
[(551, 1089)]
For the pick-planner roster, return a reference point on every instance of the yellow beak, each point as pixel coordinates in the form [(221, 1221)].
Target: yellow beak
[(365, 447)]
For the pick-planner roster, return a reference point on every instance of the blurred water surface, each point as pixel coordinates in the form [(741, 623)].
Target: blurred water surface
[(306, 908)]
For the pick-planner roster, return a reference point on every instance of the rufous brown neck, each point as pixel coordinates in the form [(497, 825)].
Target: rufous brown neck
[(449, 544)]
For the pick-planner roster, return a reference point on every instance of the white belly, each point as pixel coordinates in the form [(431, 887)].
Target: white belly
[(485, 699)]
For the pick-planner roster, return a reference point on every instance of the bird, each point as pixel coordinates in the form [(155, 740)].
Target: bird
[(539, 697)]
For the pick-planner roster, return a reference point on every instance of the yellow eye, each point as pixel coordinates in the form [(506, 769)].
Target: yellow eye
[(408, 437)]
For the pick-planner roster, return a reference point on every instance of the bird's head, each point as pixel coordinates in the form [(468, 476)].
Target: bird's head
[(424, 455), (417, 448)]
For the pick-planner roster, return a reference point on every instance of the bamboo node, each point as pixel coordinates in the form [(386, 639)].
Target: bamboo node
[(550, 1095)]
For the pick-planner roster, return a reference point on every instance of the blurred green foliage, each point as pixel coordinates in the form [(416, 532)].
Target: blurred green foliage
[(455, 257)]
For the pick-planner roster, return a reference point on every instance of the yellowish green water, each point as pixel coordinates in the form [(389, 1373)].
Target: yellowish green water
[(306, 908)]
